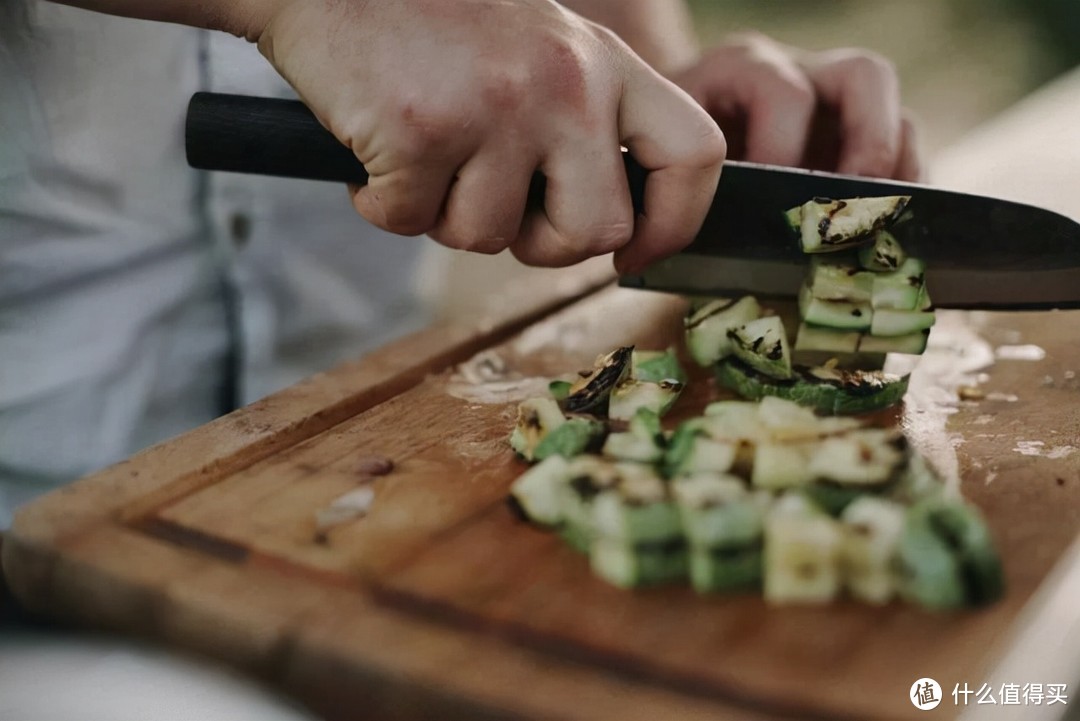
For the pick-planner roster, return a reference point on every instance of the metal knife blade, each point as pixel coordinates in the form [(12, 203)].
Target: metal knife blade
[(980, 252)]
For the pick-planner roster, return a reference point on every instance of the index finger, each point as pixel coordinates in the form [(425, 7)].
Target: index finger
[(673, 138)]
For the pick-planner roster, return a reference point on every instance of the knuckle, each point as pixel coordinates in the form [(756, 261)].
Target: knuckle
[(867, 66), (505, 90), (490, 243), (748, 40), (786, 90), (713, 147), (422, 130), (800, 92), (603, 238), (879, 158), (561, 68), (402, 217)]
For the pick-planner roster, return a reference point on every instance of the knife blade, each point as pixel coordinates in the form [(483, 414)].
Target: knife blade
[(981, 252)]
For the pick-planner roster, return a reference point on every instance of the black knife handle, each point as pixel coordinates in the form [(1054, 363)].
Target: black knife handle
[(271, 136), (265, 136)]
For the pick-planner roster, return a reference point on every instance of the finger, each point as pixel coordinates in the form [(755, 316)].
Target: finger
[(910, 167), (486, 203), (587, 209), (865, 91), (759, 95), (407, 201), (779, 113), (673, 138)]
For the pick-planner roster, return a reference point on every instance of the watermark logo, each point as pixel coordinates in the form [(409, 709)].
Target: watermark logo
[(925, 694)]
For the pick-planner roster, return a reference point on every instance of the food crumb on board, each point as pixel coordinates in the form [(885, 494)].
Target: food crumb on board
[(374, 465), (347, 507), (970, 393)]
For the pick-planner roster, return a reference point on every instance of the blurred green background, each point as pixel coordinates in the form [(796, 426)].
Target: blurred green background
[(960, 61)]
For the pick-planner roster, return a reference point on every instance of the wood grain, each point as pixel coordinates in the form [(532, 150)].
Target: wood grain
[(439, 603), (440, 553)]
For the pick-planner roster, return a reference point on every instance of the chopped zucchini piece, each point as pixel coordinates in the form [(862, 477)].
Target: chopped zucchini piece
[(587, 478), (559, 390), (656, 366), (637, 510), (705, 456), (829, 225), (707, 329), (858, 391), (865, 458), (912, 343), (732, 421), (802, 549), (723, 524), (872, 529), (631, 395), (827, 390), (787, 421), (924, 302), (643, 441), (690, 451), (839, 281), (835, 314), (917, 482), (830, 340), (890, 323), (815, 345), (643, 565), (570, 439), (717, 510), (779, 466), (928, 572), (576, 536), (965, 531), (899, 290), (793, 218), (725, 568), (762, 344), (537, 417), (590, 393), (632, 447), (883, 255), (536, 492), (831, 497)]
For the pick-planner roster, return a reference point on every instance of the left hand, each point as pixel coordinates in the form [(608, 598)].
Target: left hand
[(837, 110)]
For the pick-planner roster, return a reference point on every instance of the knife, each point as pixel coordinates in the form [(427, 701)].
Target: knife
[(980, 252)]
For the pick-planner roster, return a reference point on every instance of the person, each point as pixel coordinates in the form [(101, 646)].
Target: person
[(139, 298)]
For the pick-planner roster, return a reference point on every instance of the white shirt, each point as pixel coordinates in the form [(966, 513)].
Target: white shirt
[(140, 298)]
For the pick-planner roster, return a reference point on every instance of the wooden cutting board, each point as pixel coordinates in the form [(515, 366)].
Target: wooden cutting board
[(438, 603)]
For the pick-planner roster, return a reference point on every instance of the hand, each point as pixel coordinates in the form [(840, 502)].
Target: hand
[(837, 110), (452, 106)]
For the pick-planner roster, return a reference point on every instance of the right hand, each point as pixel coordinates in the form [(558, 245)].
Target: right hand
[(453, 105)]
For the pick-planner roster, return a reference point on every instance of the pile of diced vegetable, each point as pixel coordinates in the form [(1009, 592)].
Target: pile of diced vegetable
[(862, 299), (764, 493)]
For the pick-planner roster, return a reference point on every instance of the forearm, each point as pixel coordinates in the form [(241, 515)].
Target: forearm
[(660, 31), (239, 17)]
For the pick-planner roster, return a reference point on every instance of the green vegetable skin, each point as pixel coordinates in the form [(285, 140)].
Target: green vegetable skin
[(878, 391)]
